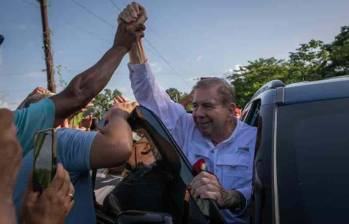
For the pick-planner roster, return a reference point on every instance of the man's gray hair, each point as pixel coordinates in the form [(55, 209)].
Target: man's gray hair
[(225, 89)]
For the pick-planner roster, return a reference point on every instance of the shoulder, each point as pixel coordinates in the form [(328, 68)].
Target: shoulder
[(245, 128), (246, 132), (37, 116), (35, 110)]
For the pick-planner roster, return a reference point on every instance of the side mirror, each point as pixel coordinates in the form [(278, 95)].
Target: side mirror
[(144, 217)]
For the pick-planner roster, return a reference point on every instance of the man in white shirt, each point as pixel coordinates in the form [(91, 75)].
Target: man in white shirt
[(211, 132)]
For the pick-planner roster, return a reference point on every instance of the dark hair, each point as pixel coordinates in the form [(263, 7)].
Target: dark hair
[(225, 89), (2, 38), (34, 99)]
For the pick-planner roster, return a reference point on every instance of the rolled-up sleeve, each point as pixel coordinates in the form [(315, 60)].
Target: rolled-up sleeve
[(74, 148), (37, 116)]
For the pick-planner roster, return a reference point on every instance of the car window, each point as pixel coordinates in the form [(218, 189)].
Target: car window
[(312, 161), (251, 113), (171, 159)]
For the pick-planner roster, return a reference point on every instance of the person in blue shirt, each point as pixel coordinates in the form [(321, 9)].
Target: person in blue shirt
[(51, 206), (82, 89), (211, 133), (51, 112), (79, 152)]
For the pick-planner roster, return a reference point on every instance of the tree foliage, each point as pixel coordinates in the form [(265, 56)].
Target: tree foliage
[(311, 61), (102, 102), (175, 94)]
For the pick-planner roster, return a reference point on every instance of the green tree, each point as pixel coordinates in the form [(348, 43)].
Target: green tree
[(340, 53), (102, 102), (174, 94), (248, 79), (311, 61)]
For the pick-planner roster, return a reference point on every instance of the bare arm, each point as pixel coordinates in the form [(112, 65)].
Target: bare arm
[(7, 213), (89, 83), (10, 160), (112, 146), (135, 14), (137, 54)]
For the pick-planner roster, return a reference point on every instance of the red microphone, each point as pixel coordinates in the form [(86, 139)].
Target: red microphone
[(199, 165)]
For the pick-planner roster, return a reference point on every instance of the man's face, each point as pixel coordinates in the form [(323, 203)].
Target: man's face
[(211, 117), (141, 153)]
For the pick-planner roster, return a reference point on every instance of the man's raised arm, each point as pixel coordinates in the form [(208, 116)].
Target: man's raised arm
[(89, 83), (145, 89)]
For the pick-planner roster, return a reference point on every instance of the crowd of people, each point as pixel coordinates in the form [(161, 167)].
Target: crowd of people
[(211, 132)]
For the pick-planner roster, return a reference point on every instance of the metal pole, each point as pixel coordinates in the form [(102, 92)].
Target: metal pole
[(47, 47)]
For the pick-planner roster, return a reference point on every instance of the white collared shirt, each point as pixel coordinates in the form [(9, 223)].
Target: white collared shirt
[(231, 160)]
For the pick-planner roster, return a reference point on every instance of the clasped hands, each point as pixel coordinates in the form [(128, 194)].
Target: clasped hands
[(131, 26)]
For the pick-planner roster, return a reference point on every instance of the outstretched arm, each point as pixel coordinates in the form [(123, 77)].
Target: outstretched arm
[(143, 83), (113, 144), (137, 54), (89, 83)]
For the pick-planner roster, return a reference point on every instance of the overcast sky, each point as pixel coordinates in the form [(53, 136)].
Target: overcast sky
[(185, 39)]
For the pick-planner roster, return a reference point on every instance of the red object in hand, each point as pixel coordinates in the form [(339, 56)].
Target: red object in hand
[(199, 166)]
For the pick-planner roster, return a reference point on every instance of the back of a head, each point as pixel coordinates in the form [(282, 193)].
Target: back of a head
[(224, 88), (2, 38), (34, 99)]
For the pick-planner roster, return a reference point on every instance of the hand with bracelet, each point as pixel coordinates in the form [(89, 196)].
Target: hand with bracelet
[(206, 185)]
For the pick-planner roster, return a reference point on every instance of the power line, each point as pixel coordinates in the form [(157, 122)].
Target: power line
[(146, 40), (162, 57), (152, 46), (94, 14), (30, 3), (75, 27), (115, 5)]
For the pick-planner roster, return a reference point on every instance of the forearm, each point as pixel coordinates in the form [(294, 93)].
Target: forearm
[(88, 84), (137, 54), (113, 145), (7, 212)]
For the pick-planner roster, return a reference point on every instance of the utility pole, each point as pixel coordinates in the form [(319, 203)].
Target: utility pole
[(47, 47)]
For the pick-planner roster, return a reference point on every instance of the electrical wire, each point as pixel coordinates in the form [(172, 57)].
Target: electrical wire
[(146, 40)]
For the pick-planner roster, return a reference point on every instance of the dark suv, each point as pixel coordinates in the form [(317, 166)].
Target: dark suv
[(302, 152)]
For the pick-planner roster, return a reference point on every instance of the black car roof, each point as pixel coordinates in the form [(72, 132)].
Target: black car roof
[(317, 90), (332, 88)]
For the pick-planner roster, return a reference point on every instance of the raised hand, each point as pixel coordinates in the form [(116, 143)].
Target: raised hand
[(121, 103), (125, 36), (131, 25), (134, 14)]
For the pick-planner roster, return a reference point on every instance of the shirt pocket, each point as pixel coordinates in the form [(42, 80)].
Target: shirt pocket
[(234, 170)]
